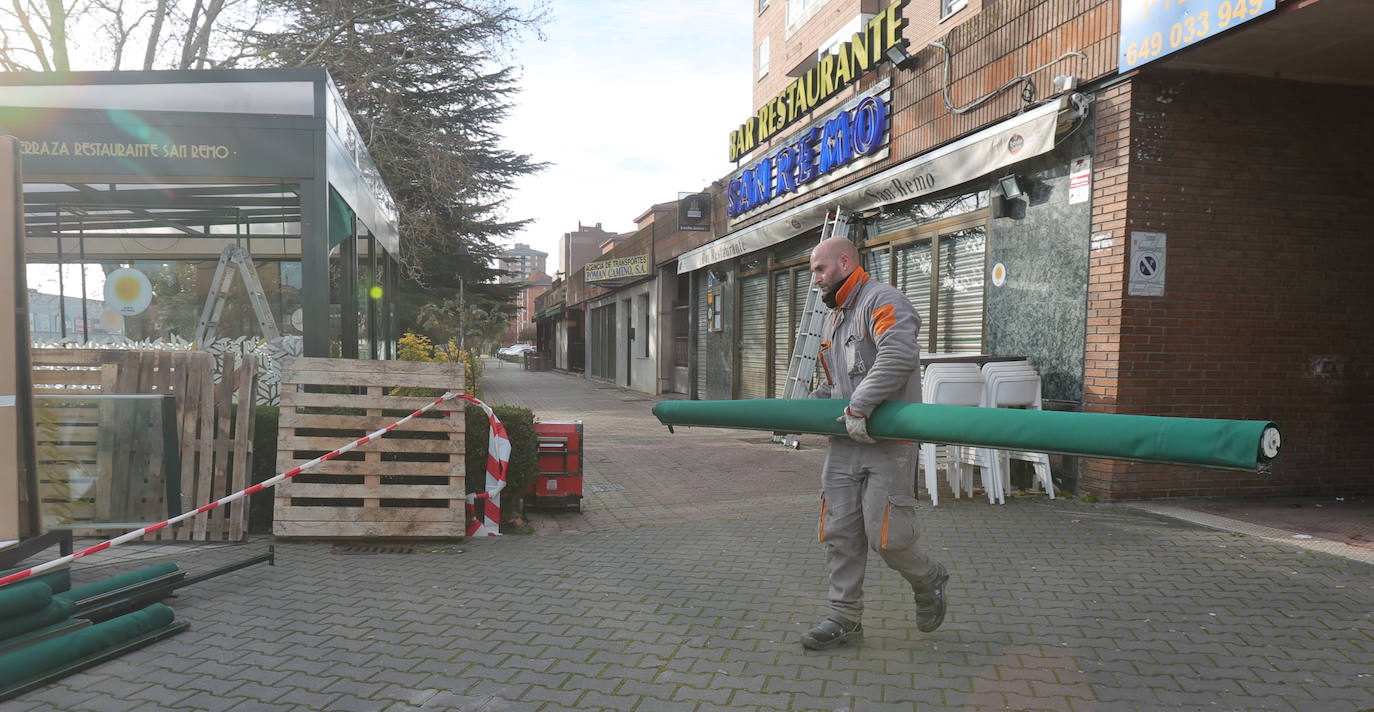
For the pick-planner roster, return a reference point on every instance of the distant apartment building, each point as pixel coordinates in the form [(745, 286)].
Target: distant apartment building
[(522, 327), (576, 249), (521, 261)]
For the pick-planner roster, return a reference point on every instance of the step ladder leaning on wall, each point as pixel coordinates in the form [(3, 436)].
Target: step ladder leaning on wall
[(234, 258), (807, 343)]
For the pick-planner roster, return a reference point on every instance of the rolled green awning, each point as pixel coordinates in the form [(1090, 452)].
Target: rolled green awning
[(1224, 444)]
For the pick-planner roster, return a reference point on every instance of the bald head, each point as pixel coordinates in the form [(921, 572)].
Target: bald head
[(832, 261)]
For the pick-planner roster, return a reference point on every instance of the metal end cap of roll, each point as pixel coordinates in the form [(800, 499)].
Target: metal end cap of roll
[(1269, 442)]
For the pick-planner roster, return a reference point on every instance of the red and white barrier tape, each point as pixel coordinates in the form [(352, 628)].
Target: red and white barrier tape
[(498, 459)]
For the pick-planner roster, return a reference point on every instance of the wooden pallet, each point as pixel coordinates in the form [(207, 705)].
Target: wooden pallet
[(409, 484), (214, 426)]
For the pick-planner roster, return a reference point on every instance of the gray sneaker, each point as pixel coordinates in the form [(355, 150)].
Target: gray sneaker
[(930, 603), (833, 632)]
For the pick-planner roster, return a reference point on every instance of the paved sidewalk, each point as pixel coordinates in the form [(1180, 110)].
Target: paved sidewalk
[(686, 588), (636, 472)]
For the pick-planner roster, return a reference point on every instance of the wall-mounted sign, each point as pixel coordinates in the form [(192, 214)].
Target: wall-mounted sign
[(833, 72), (1080, 179), (1147, 264), (693, 212), (618, 268), (128, 291), (117, 143), (827, 146), (1151, 29), (1031, 133)]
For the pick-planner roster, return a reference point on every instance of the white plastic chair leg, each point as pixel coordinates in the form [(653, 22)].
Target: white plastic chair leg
[(1042, 472), (927, 458)]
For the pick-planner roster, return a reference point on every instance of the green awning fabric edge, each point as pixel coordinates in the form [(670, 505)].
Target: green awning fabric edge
[(341, 218), (1222, 444)]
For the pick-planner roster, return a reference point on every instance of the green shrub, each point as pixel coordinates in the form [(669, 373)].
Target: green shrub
[(524, 455), (264, 468)]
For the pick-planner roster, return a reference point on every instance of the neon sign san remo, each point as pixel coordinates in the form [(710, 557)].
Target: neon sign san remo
[(822, 148)]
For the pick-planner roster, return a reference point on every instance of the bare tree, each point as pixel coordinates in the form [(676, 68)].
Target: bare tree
[(173, 34)]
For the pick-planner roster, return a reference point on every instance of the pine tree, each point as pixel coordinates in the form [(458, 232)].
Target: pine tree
[(427, 87)]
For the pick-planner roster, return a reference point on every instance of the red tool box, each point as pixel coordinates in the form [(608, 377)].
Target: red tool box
[(559, 485)]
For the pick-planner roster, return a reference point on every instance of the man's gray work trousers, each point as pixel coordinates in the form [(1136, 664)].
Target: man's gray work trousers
[(867, 501)]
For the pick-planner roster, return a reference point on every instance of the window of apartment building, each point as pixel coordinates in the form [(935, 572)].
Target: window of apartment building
[(763, 58), (799, 11), (949, 7)]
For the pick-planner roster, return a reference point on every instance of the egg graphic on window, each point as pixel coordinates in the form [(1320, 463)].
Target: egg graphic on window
[(128, 291)]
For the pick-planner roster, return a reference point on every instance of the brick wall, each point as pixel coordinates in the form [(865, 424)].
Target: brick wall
[(1268, 300), (1005, 40)]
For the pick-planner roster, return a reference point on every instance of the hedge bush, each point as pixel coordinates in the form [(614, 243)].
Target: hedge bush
[(264, 468), (524, 455)]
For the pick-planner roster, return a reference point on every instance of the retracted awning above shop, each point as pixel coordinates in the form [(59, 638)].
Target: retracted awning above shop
[(1011, 141)]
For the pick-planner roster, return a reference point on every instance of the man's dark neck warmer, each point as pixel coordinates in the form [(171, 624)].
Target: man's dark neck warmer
[(830, 295)]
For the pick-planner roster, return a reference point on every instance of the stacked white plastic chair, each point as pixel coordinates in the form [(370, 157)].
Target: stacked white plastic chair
[(1015, 384), (957, 384)]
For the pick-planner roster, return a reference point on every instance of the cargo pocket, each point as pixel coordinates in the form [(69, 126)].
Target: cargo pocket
[(820, 529), (899, 523)]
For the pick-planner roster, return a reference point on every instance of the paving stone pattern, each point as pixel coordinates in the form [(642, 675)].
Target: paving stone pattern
[(688, 590)]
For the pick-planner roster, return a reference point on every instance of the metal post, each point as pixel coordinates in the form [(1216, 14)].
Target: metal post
[(314, 243), (81, 246), (61, 286)]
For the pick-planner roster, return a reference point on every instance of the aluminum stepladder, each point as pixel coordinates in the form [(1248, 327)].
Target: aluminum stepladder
[(234, 258), (807, 344)]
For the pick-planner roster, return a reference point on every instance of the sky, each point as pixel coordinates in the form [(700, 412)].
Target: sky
[(632, 102)]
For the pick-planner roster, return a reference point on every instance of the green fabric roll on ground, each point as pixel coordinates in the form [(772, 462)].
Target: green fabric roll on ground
[(1225, 444), (110, 584), (59, 580), (23, 598), (50, 654), (56, 610)]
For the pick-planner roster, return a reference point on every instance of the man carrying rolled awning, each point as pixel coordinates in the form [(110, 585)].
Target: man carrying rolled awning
[(869, 353)]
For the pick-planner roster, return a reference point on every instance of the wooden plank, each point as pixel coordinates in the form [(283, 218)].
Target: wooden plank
[(450, 381), (334, 491), (292, 365), (72, 417), (293, 398), (105, 449), (202, 384), (401, 469), (364, 423), (44, 378), (73, 453), (68, 357), (387, 444), (245, 385), (369, 530), (455, 513), (223, 392)]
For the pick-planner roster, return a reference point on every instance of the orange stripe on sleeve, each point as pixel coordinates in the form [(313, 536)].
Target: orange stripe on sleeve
[(883, 319)]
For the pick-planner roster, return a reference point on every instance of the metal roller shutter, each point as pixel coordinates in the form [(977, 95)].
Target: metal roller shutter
[(878, 264), (913, 279), (702, 326), (783, 329), (963, 257), (753, 337)]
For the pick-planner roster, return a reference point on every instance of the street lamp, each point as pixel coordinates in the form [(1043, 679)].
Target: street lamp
[(461, 251)]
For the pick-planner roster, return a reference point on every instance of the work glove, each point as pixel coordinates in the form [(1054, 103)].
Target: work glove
[(857, 426)]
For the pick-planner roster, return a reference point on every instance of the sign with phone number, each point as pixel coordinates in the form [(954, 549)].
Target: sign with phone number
[(1151, 29)]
